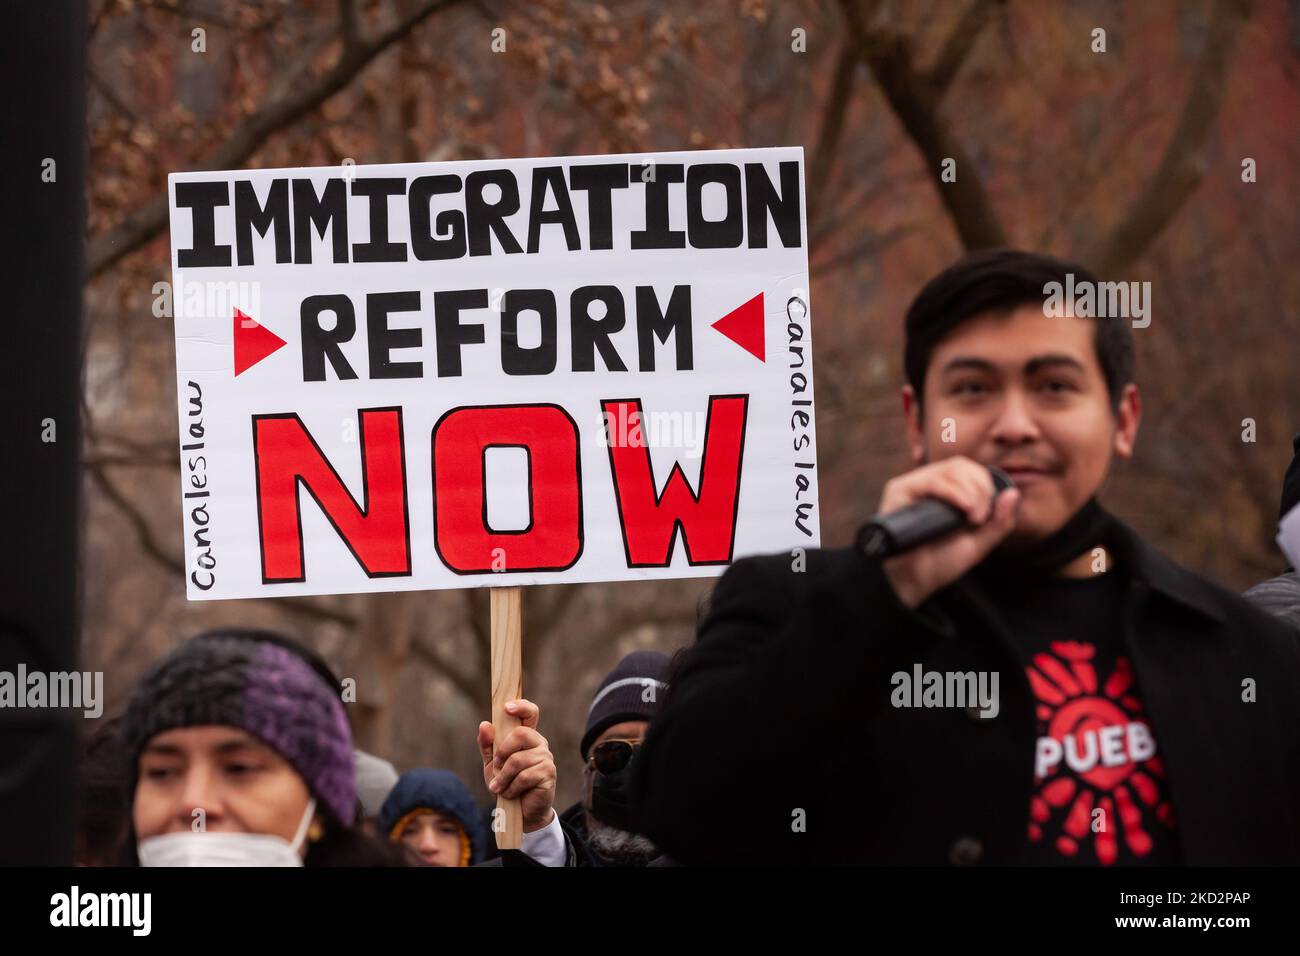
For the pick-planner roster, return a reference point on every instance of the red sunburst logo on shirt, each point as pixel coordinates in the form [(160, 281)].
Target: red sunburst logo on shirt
[(1097, 752)]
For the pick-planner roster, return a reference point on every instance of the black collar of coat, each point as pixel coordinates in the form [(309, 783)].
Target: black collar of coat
[(1152, 570), (1147, 571)]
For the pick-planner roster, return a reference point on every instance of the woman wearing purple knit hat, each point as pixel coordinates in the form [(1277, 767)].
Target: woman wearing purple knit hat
[(242, 756)]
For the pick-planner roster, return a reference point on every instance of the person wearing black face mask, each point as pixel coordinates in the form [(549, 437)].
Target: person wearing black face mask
[(620, 713)]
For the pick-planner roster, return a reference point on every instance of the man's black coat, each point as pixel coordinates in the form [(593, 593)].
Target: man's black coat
[(778, 744)]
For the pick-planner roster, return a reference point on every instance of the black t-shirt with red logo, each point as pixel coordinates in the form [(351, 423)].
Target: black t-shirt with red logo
[(1100, 792)]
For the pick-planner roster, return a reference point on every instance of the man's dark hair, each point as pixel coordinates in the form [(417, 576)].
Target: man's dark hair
[(999, 280)]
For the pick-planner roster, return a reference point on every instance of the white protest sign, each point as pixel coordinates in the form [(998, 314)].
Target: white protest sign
[(439, 375)]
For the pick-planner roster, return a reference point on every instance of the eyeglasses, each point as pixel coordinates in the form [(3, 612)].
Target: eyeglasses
[(611, 756)]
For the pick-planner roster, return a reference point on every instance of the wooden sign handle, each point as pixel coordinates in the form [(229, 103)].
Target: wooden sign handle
[(507, 685)]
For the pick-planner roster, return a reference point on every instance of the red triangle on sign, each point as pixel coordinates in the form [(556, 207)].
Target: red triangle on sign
[(744, 326), (252, 342)]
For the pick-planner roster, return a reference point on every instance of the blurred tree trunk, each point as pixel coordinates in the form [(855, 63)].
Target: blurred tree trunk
[(380, 653)]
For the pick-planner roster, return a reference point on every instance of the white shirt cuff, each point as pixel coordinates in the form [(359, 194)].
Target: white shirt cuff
[(546, 845)]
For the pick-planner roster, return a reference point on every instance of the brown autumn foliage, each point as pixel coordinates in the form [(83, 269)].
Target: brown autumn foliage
[(1130, 160)]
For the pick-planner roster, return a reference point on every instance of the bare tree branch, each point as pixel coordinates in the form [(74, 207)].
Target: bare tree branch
[(542, 621), (1089, 174), (832, 126), (96, 438), (348, 24), (638, 617), (1182, 165), (850, 204), (474, 690), (477, 615), (151, 546), (97, 18), (128, 461), (959, 44), (295, 96), (914, 100), (872, 244), (297, 605), (550, 614), (144, 533), (106, 90)]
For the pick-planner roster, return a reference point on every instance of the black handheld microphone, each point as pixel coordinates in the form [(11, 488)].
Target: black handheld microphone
[(898, 531)]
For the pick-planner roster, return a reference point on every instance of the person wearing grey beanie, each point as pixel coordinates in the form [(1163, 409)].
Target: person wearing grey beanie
[(375, 779)]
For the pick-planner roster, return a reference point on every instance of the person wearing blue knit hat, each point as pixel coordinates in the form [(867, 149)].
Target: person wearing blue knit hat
[(433, 814)]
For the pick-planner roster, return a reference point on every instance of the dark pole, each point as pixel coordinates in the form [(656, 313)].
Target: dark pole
[(43, 70)]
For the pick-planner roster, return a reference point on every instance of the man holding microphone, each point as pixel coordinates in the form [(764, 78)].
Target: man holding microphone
[(1145, 715)]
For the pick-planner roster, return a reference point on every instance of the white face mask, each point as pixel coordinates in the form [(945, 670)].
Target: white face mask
[(225, 849)]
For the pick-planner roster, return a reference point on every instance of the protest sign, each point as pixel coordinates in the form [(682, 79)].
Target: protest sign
[(492, 373)]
